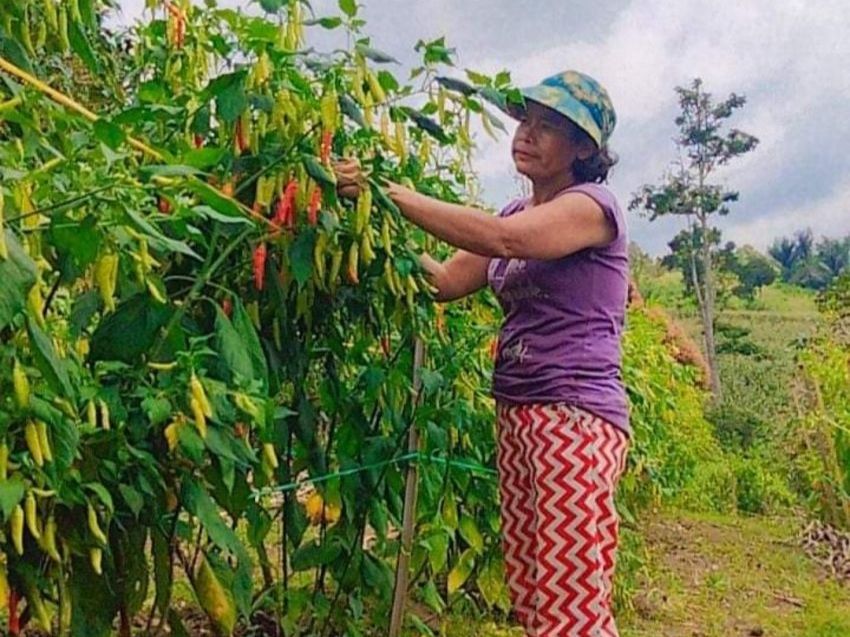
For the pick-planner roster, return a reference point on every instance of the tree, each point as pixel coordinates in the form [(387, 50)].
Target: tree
[(703, 147), (834, 254), (754, 271), (684, 254), (783, 251)]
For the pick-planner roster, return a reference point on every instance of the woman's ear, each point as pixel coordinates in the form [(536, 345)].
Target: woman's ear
[(586, 150)]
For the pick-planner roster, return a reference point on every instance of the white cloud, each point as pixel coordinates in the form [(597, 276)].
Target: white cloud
[(828, 216)]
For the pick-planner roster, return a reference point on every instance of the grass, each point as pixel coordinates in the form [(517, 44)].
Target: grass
[(711, 575)]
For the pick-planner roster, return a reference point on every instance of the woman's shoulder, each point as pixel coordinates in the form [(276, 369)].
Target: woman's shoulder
[(600, 192), (607, 201)]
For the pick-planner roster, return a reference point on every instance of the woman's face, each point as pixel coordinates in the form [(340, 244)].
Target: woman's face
[(542, 145)]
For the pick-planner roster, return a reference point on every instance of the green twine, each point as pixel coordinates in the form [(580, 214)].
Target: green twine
[(414, 455)]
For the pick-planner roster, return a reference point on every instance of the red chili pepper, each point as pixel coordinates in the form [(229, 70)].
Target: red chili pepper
[(14, 620), (163, 205), (227, 307), (327, 142), (289, 194), (181, 32), (494, 349), (315, 204), (280, 213), (199, 140), (385, 346), (260, 266), (179, 26)]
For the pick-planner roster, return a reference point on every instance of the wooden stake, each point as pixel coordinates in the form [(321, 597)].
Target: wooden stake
[(409, 516)]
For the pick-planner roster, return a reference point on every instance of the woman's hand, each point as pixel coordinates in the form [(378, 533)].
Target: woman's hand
[(349, 177)]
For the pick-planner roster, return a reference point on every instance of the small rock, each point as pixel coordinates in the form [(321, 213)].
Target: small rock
[(758, 631)]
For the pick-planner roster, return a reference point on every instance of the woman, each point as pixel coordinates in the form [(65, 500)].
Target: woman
[(558, 263)]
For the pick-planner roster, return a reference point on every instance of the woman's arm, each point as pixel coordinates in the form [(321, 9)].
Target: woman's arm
[(567, 224), (459, 276)]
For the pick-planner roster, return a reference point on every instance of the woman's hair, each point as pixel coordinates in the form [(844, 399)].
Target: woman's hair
[(595, 168)]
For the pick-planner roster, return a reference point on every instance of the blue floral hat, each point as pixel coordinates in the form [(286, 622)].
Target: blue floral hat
[(581, 99)]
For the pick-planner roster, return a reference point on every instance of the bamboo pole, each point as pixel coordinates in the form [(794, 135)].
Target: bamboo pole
[(409, 515)]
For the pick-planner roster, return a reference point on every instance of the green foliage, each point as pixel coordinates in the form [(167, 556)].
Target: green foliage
[(809, 264), (671, 436)]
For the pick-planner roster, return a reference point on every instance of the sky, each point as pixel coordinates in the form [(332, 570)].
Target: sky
[(790, 58)]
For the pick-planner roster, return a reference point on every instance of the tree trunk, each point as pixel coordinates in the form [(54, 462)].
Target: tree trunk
[(708, 311)]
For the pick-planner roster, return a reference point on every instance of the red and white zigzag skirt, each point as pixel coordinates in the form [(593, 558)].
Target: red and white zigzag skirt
[(558, 469)]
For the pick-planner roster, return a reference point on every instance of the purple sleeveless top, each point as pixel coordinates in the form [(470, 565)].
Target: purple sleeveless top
[(560, 340)]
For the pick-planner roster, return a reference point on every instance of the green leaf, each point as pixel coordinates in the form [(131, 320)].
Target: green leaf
[(349, 7), (82, 47), (431, 380), (301, 256), (456, 85), (157, 239), (212, 214), (199, 503), (102, 493), (108, 133), (272, 6), (377, 575), (387, 81), (251, 341), (135, 501), (79, 240), (477, 78), (191, 444), (157, 409), (431, 596), (139, 316), (17, 276), (428, 125), (153, 92), (162, 570), (15, 53), (327, 23), (461, 571), (375, 55), (168, 170), (11, 493), (215, 199), (203, 158), (230, 97), (438, 550), (491, 582), (495, 121), (469, 532), (494, 96), (312, 555), (349, 107), (84, 308), (317, 171), (49, 364), (232, 348)]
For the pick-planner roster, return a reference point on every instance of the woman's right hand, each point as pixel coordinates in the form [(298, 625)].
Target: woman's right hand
[(349, 177)]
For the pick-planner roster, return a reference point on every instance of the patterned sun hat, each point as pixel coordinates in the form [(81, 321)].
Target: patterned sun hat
[(581, 99)]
